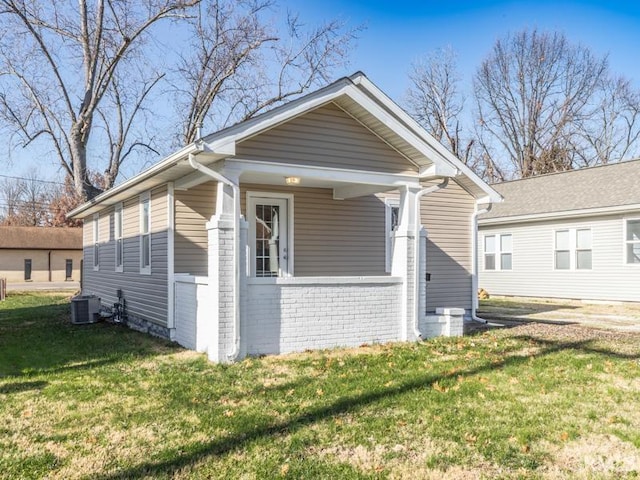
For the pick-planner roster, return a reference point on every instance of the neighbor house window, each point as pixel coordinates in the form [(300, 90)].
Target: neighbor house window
[(498, 252), (96, 241), (27, 269), (145, 233), (392, 220), (118, 228), (583, 249), (632, 241), (490, 252), (573, 249), (68, 269)]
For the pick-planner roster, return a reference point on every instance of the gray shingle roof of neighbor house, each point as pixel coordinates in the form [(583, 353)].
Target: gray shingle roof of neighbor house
[(604, 186), (41, 238)]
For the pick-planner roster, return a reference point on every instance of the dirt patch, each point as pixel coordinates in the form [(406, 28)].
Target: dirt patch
[(407, 460), (595, 456)]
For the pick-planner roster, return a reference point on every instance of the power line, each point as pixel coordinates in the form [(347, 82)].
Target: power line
[(31, 179)]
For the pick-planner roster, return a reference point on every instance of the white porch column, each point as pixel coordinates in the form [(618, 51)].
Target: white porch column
[(221, 276), (403, 259)]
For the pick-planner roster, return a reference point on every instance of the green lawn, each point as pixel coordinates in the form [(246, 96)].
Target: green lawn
[(103, 402)]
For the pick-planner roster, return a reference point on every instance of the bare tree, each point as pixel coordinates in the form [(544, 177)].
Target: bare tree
[(58, 62), (532, 93), (11, 191), (612, 129), (436, 102), (34, 208), (239, 65)]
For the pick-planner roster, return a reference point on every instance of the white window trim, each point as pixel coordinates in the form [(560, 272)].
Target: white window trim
[(251, 196), (497, 252), (389, 204), (146, 196), (118, 235), (96, 241), (573, 249), (625, 242)]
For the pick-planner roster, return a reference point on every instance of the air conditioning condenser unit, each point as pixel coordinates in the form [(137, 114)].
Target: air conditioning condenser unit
[(85, 309)]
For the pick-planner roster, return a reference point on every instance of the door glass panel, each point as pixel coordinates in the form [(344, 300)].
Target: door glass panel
[(268, 228)]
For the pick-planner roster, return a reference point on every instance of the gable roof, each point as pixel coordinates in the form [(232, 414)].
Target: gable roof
[(576, 192), (41, 238), (355, 95)]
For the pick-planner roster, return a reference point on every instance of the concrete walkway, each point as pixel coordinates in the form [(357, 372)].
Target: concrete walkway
[(40, 286)]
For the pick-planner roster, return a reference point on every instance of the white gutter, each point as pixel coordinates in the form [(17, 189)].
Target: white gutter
[(416, 252), (474, 262), (236, 248)]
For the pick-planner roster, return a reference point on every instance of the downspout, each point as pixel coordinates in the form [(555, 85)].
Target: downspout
[(474, 262), (416, 252), (236, 248)]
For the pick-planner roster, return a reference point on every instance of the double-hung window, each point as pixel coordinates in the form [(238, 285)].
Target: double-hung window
[(392, 220), (145, 233), (96, 241), (498, 252), (118, 228), (632, 241), (573, 249)]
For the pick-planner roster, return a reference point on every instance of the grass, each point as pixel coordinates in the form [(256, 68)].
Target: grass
[(103, 402)]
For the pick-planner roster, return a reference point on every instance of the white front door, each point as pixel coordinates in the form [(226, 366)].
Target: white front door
[(269, 236)]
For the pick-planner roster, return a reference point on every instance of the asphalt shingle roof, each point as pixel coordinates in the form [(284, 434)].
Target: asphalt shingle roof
[(42, 238), (615, 184)]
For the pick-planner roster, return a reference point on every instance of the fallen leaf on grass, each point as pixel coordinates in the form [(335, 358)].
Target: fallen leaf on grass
[(436, 386), (564, 436)]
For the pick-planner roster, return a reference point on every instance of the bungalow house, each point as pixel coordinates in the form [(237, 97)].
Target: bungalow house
[(296, 229), (572, 235), (40, 254)]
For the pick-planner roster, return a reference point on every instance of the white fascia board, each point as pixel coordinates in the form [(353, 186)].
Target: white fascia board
[(320, 173), (135, 185), (536, 217), (365, 83), (284, 113)]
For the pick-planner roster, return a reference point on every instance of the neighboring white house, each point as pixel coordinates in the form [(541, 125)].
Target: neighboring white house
[(293, 230), (571, 235)]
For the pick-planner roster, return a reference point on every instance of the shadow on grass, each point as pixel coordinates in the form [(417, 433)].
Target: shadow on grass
[(513, 307), (39, 338), (17, 387), (187, 455)]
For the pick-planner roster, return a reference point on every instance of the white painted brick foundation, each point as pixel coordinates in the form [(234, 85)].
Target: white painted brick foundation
[(288, 315)]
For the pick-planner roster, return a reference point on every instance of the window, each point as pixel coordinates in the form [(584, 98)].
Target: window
[(573, 250), (490, 252), (505, 252), (27, 269), (583, 249), (96, 241), (118, 228), (145, 233), (632, 241), (392, 220), (498, 252), (68, 269), (270, 234), (563, 250)]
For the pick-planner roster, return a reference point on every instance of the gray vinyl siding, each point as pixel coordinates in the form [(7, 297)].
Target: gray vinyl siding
[(146, 295), (446, 214), (193, 209), (325, 137), (333, 237), (533, 272)]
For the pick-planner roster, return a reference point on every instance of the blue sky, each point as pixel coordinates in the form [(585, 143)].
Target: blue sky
[(398, 32)]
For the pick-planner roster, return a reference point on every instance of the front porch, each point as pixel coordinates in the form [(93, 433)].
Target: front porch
[(281, 281)]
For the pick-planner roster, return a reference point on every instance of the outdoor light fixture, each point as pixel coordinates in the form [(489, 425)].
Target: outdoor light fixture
[(292, 180)]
